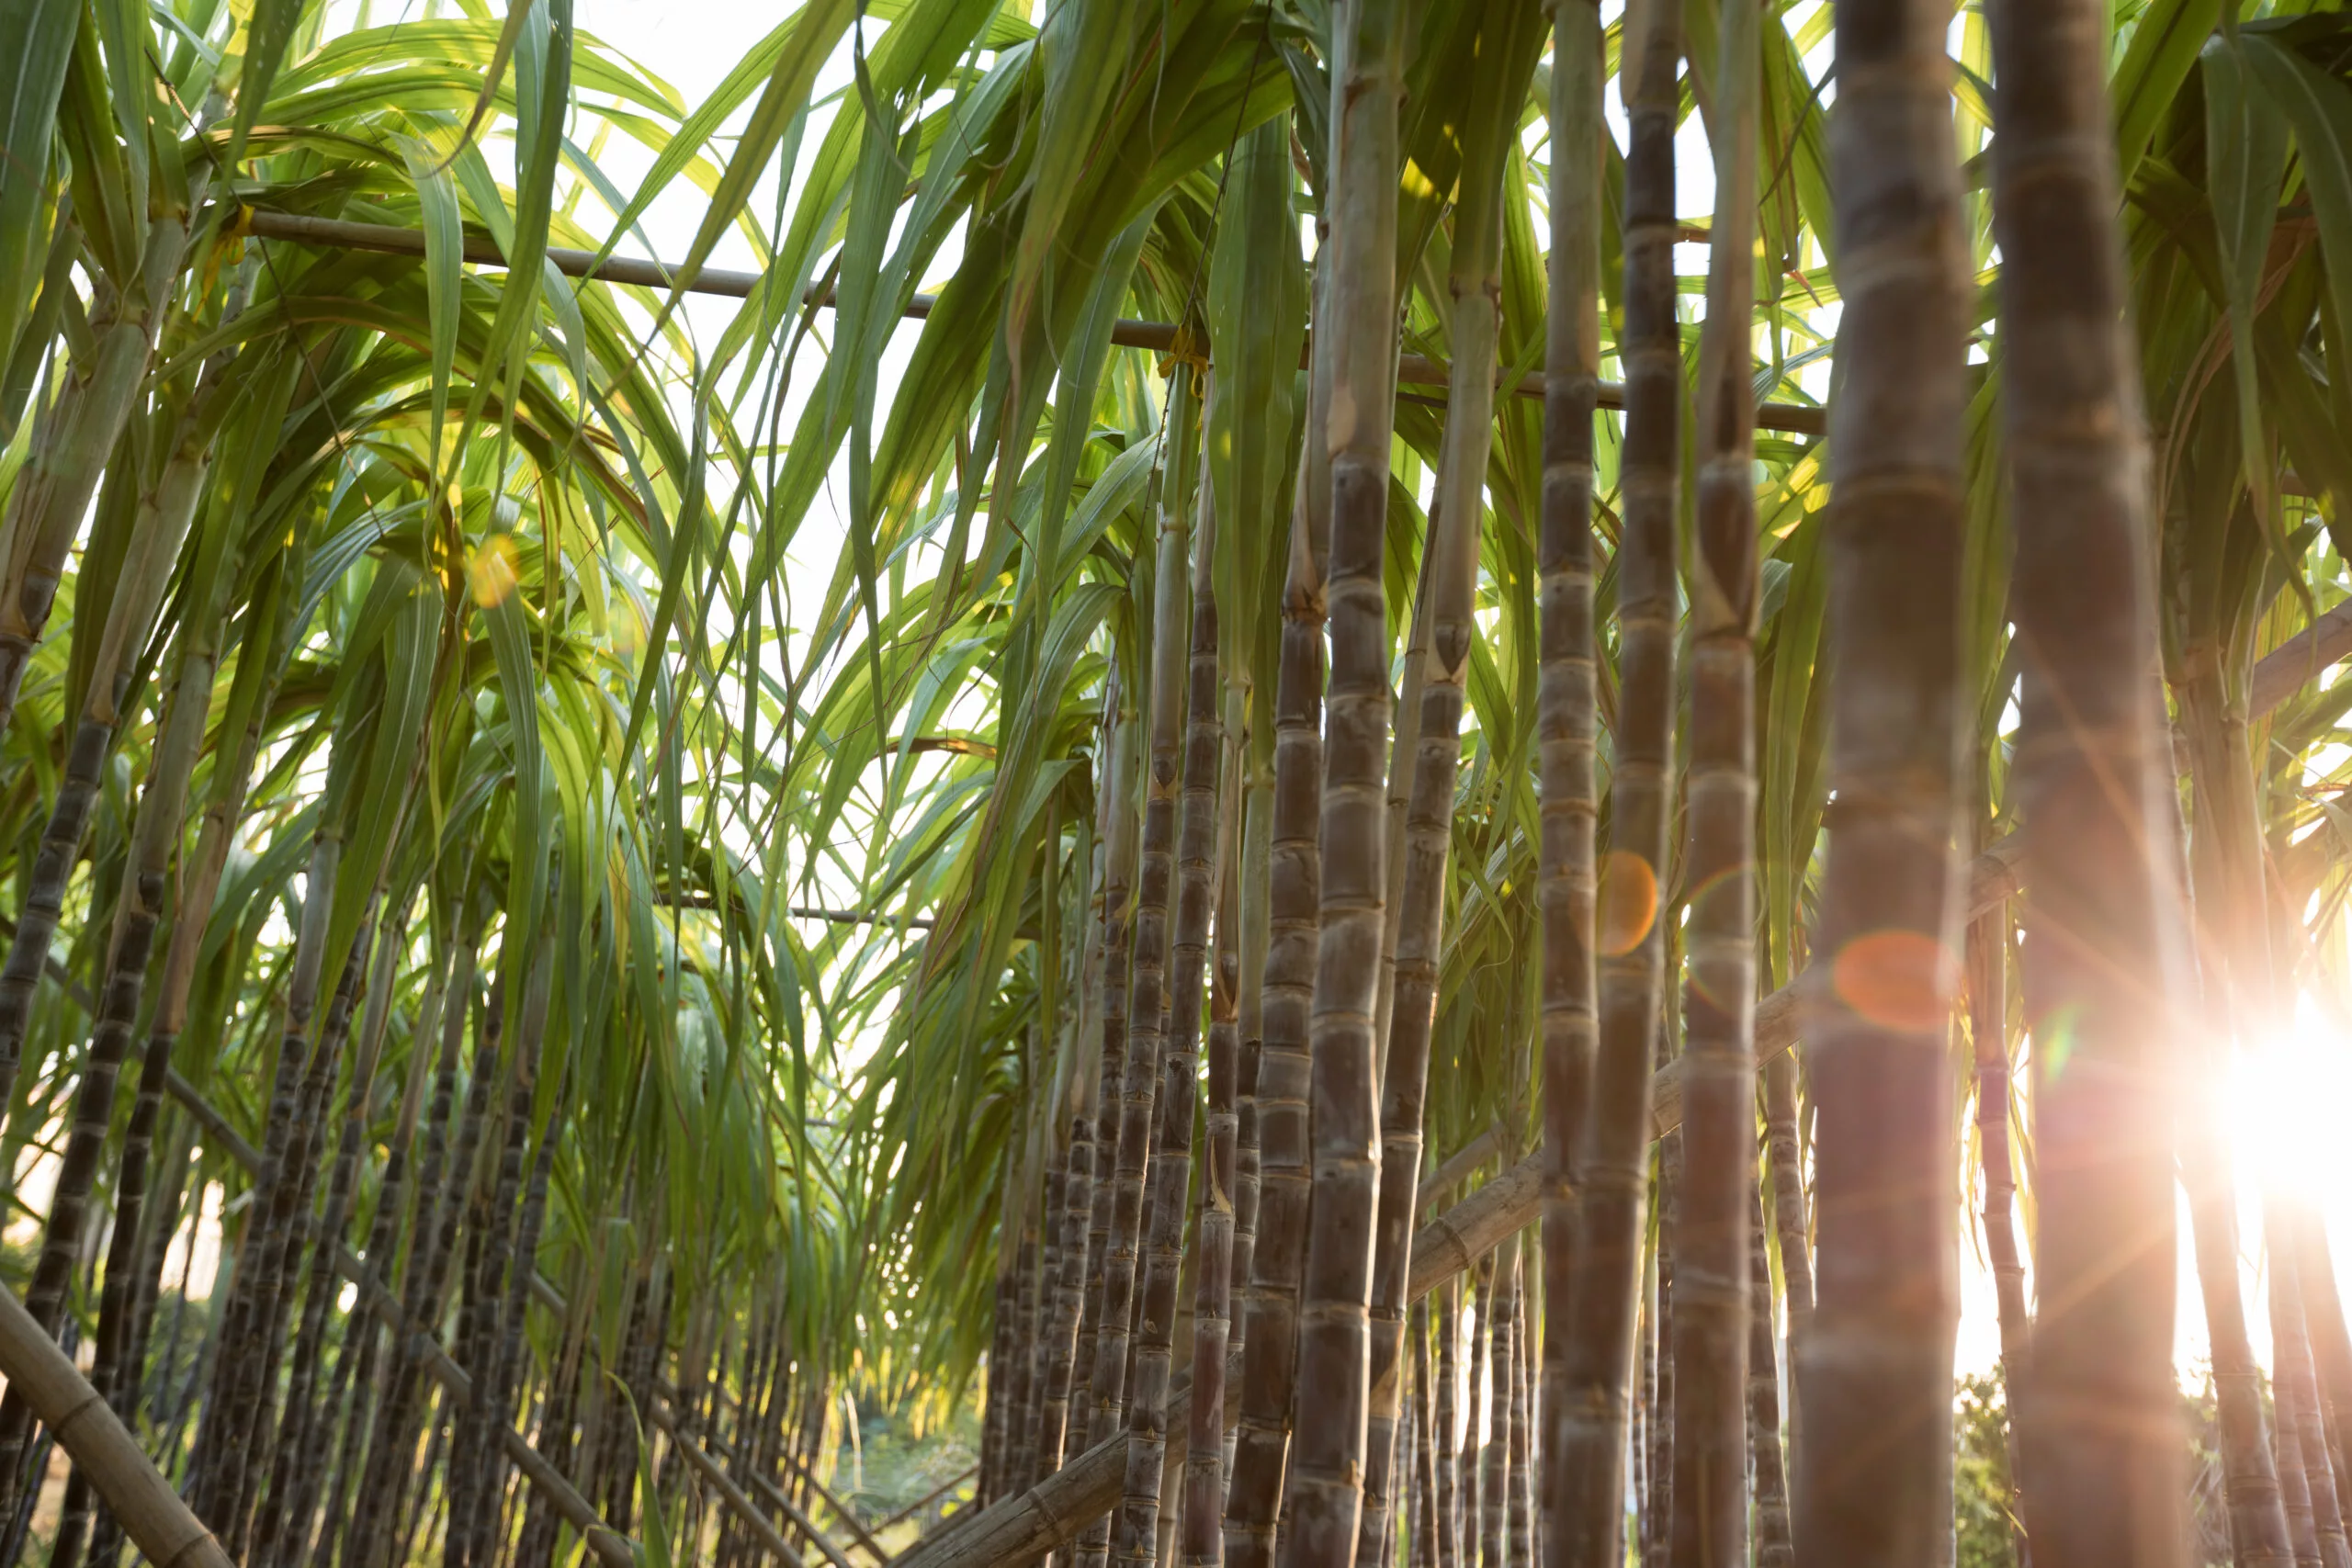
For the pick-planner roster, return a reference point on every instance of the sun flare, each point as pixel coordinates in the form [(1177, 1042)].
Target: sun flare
[(2285, 1104)]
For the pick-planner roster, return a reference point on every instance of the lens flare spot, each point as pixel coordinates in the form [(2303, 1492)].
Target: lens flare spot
[(493, 571), (1897, 979), (1628, 903)]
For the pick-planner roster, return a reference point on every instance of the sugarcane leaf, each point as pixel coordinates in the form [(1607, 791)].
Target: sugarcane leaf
[(2246, 151), (510, 33), (436, 200), (821, 25), (2319, 107), (2164, 47), (36, 48), (1084, 48), (267, 36)]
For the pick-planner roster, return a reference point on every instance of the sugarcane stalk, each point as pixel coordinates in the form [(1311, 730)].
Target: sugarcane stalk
[(1147, 991), (476, 1472), (1495, 1313), (1792, 1228), (1988, 1016), (221, 1453), (139, 910), (1711, 1264), (2317, 1524), (1049, 1515), (1775, 1548), (522, 1272), (1612, 1157), (1205, 1472), (1328, 1457), (355, 1357), (1874, 1367), (2093, 777), (293, 1459), (1520, 1525), (276, 1298), (1121, 827), (122, 1339), (1447, 1495), (1018, 1438), (1457, 516), (604, 1539), (1657, 1508), (1254, 869), (432, 1254), (355, 1451), (1070, 1292), (1200, 828), (2330, 1339), (1270, 1319), (74, 441), (1566, 711), (166, 510), (1048, 1255), (1425, 1510), (140, 907)]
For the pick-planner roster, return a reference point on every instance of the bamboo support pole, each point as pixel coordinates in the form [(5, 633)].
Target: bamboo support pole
[(166, 1530), (928, 1498), (744, 1509), (805, 1525), (1161, 337), (612, 1548), (1458, 1165)]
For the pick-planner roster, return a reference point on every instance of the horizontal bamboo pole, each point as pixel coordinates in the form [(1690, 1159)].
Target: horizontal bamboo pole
[(165, 1529), (2298, 659), (1160, 337)]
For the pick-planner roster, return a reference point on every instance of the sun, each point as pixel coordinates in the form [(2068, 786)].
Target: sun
[(2285, 1099)]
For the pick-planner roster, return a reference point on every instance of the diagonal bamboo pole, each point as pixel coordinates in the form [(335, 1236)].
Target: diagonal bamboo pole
[(166, 1530), (613, 1549), (928, 1498), (847, 1514)]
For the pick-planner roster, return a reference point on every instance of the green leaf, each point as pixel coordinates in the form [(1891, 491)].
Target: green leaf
[(819, 28), (2247, 164), (2165, 45), (2319, 107), (267, 36), (35, 47), (444, 251)]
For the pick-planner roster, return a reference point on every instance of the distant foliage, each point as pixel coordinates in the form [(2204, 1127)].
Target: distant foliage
[(1980, 1422)]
